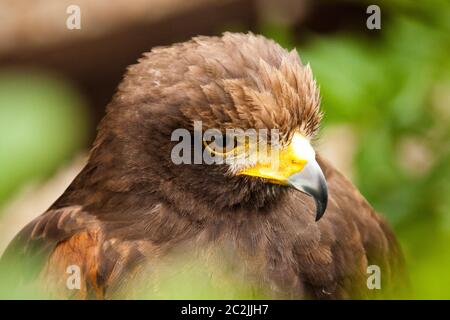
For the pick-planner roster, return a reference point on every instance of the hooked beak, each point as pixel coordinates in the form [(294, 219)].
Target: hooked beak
[(312, 182), (296, 167)]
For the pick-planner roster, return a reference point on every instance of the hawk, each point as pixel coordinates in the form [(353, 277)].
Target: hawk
[(298, 230)]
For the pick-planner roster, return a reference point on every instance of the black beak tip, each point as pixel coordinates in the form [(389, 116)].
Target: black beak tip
[(321, 199), (312, 182), (321, 207)]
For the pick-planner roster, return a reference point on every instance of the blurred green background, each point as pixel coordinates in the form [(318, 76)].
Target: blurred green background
[(388, 90)]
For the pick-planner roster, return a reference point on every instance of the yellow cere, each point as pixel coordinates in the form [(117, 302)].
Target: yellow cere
[(288, 161)]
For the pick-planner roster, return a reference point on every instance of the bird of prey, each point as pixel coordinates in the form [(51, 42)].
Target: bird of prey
[(299, 230)]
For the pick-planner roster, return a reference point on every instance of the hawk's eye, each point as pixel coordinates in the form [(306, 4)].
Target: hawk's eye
[(225, 145)]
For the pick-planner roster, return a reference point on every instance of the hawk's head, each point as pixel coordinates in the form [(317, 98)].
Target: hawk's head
[(233, 96)]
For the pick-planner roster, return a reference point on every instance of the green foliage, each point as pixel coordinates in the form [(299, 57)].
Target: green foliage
[(42, 123)]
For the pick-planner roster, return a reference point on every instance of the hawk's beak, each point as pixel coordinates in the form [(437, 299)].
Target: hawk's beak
[(295, 166), (312, 181)]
